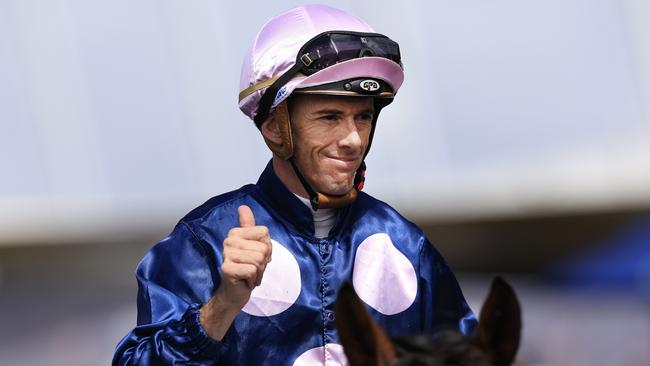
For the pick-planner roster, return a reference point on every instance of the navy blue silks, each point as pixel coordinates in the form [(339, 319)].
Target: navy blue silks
[(405, 282)]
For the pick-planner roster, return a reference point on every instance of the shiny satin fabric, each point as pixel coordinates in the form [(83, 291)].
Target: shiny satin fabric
[(407, 286)]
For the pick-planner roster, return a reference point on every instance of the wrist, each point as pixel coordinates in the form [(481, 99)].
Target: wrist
[(203, 345), (217, 315)]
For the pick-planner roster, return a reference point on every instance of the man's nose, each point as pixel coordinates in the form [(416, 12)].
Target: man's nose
[(351, 136)]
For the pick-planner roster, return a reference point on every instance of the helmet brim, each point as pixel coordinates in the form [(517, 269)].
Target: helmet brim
[(365, 67)]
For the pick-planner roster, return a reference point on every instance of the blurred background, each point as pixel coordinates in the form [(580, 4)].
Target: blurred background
[(520, 142)]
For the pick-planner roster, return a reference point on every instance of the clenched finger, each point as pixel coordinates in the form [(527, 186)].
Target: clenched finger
[(253, 257), (260, 275), (243, 272), (251, 245), (251, 232), (256, 259)]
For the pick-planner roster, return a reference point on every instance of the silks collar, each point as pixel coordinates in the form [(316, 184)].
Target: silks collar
[(285, 205)]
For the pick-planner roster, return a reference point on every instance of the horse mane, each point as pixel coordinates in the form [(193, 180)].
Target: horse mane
[(494, 344), (448, 347)]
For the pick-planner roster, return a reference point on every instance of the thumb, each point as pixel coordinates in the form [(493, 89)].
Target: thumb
[(246, 218)]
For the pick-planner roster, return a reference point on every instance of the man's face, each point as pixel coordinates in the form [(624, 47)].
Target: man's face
[(330, 136)]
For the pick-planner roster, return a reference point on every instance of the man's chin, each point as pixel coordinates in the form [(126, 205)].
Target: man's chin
[(336, 190)]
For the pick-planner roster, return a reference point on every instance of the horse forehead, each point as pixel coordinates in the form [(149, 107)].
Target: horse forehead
[(443, 349)]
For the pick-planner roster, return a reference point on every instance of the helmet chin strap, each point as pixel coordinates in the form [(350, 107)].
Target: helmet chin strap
[(321, 200)]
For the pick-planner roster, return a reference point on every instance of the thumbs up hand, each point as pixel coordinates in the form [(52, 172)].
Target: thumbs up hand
[(246, 252)]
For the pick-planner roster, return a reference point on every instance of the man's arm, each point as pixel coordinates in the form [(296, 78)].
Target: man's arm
[(178, 316), (443, 303)]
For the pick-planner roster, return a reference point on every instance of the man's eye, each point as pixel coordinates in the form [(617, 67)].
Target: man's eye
[(329, 117), (366, 117)]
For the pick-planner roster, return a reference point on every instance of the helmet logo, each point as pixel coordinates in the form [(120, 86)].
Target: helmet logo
[(369, 85), (281, 93)]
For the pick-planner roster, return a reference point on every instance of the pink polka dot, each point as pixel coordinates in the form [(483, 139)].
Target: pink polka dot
[(330, 355), (280, 285), (383, 277)]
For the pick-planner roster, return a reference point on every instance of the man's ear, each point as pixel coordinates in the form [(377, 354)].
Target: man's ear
[(271, 131), (277, 132), (363, 341), (499, 326)]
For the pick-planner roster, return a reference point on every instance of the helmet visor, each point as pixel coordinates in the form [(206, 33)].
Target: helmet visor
[(329, 48)]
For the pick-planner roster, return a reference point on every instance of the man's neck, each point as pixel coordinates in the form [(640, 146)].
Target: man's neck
[(324, 219), (284, 171)]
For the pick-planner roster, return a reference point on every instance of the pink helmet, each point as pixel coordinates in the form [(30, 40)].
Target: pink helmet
[(276, 51)]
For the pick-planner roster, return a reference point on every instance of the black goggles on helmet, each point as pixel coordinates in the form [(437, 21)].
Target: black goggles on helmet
[(325, 50)]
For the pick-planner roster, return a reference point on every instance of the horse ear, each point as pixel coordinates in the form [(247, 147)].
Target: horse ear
[(362, 339), (500, 323)]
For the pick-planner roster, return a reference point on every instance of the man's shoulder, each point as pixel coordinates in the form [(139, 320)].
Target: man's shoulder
[(370, 206), (217, 202), (217, 214)]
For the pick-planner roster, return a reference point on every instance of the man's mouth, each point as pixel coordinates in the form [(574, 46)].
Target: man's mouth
[(346, 162)]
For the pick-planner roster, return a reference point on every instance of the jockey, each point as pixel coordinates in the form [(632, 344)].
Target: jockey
[(251, 276)]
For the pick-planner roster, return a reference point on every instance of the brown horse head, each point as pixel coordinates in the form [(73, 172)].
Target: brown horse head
[(495, 343)]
